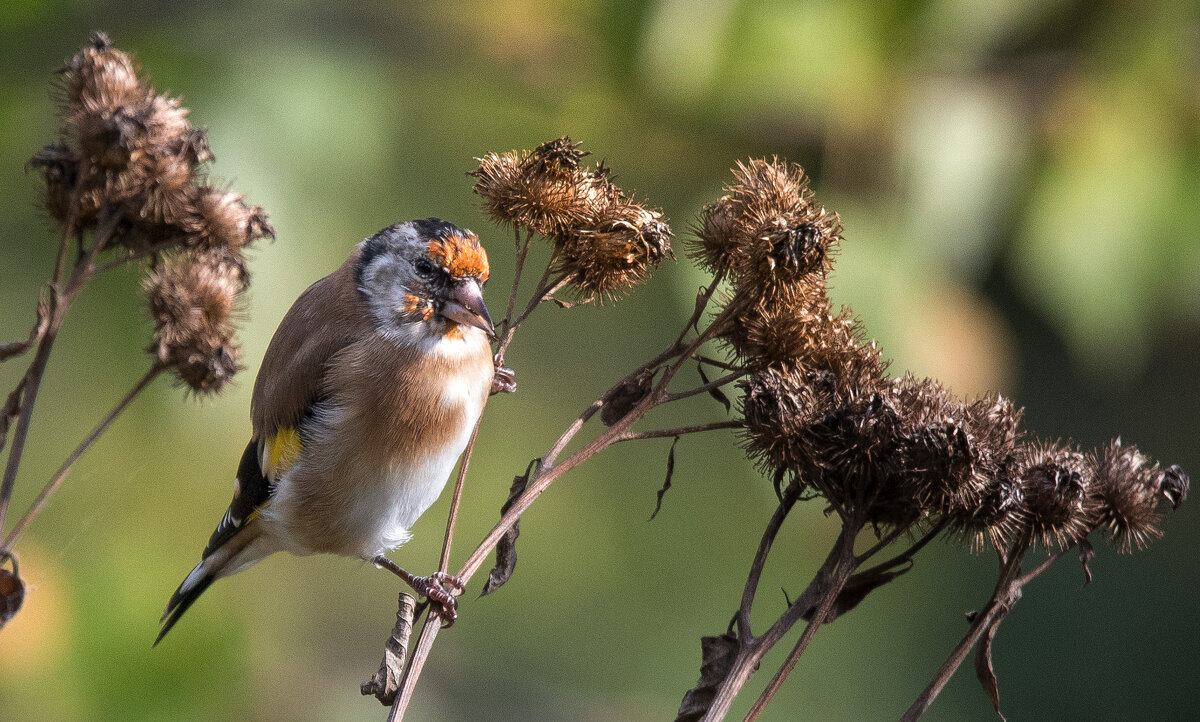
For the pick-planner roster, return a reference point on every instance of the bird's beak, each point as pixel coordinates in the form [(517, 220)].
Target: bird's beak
[(465, 306)]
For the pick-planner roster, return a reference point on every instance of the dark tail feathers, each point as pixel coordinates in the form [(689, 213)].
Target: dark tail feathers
[(180, 602)]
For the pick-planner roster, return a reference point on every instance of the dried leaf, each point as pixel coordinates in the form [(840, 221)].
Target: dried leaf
[(717, 657), (629, 394), (701, 302), (857, 588), (506, 548), (714, 392), (385, 684), (667, 483), (984, 670), (1086, 553), (12, 593), (10, 410)]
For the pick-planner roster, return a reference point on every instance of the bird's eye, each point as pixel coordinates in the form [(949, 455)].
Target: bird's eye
[(424, 267)]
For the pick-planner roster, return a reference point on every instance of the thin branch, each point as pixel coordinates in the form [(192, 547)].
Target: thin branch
[(57, 305), (506, 326), (56, 481), (17, 348), (790, 495), (827, 583), (680, 431), (1003, 597), (705, 388), (456, 500)]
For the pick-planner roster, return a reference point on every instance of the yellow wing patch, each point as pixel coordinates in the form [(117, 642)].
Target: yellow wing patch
[(282, 451)]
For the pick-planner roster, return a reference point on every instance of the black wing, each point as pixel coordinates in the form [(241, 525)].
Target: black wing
[(250, 493)]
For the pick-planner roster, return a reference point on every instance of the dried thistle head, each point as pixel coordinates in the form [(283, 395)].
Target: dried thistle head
[(990, 507), (545, 190), (1125, 494), (616, 252), (1054, 481), (222, 219), (800, 327), (936, 449), (194, 301), (779, 403), (101, 77), (766, 230)]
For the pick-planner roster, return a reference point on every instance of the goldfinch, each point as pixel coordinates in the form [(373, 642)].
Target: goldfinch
[(366, 397)]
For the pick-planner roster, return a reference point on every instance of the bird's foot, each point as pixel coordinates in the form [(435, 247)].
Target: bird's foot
[(439, 588), (505, 381)]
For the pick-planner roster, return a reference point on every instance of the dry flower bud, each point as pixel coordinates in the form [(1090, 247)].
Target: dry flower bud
[(616, 252), (100, 77), (719, 234), (221, 219), (1054, 482), (1124, 496), (779, 403), (545, 190), (767, 229), (193, 300), (998, 512)]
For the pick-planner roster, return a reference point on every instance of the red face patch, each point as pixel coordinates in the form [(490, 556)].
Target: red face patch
[(460, 255)]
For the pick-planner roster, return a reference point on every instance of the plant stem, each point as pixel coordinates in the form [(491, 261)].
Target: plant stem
[(56, 481), (827, 583), (1005, 594)]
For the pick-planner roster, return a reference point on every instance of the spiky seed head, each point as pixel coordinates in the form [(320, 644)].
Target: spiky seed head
[(193, 299)]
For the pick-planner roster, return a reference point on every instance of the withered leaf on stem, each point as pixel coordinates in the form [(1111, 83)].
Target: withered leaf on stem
[(506, 548), (714, 392), (667, 482), (857, 588), (984, 670), (1086, 553), (626, 396), (385, 683), (717, 657)]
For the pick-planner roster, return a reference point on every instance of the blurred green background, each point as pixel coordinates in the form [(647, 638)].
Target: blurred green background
[(1019, 182)]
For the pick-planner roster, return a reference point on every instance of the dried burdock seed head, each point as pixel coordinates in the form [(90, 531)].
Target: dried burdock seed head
[(555, 157), (800, 327), (221, 219), (99, 77), (779, 403), (108, 137), (993, 421), (718, 234), (937, 453), (617, 252), (166, 124), (193, 300), (997, 512), (781, 329), (1124, 496), (853, 458), (767, 228), (546, 190), (1054, 481)]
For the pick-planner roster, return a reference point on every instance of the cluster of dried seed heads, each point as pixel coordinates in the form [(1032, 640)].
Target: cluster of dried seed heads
[(821, 411), (129, 170), (604, 242)]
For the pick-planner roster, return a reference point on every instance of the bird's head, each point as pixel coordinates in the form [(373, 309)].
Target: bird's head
[(423, 281)]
